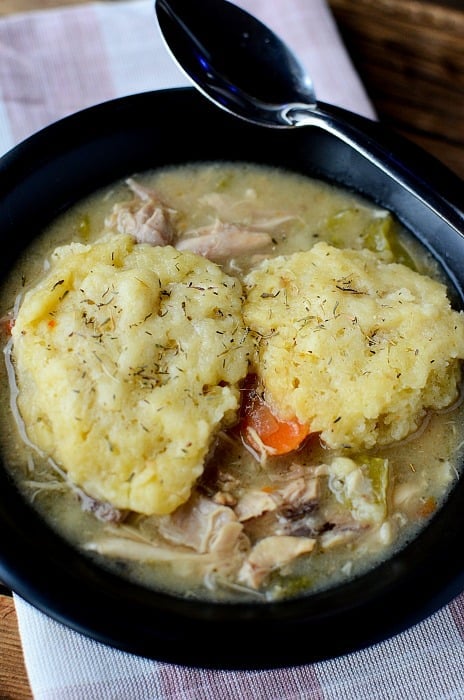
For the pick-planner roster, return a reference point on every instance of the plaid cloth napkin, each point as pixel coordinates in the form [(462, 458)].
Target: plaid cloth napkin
[(55, 62), (52, 63)]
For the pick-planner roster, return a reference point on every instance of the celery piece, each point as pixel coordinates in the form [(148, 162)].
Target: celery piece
[(381, 236), (357, 227), (83, 228)]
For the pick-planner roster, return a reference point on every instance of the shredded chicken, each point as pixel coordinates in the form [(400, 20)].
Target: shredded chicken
[(199, 536), (202, 524), (300, 491), (248, 520), (236, 536), (272, 553), (145, 217), (102, 510), (222, 240), (254, 503), (149, 220), (114, 545)]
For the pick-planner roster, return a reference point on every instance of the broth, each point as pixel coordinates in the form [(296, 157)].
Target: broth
[(303, 508)]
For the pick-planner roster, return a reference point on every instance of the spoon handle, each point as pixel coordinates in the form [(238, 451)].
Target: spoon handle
[(395, 156)]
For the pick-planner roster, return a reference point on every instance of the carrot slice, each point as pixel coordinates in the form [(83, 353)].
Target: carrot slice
[(261, 428)]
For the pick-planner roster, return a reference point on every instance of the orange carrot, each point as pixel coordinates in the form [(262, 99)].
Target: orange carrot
[(427, 508), (6, 324), (261, 428)]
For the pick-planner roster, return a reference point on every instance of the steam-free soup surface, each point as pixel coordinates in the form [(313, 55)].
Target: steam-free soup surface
[(233, 382)]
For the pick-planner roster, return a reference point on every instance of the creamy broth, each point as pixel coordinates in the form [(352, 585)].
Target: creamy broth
[(348, 506)]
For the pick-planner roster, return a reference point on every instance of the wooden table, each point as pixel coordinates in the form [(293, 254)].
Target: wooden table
[(410, 56), (14, 684)]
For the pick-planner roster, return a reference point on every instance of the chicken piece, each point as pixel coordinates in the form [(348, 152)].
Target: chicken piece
[(223, 498), (145, 217), (102, 510), (339, 536), (297, 495), (299, 513), (254, 503), (228, 207), (202, 525), (223, 240), (299, 492), (222, 564), (272, 553)]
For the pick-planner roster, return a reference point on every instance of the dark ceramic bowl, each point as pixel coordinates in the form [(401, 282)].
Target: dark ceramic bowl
[(68, 160)]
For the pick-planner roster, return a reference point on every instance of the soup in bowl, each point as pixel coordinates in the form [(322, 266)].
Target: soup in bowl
[(233, 367)]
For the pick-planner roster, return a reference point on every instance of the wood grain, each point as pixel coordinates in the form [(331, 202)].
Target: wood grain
[(14, 684), (410, 57)]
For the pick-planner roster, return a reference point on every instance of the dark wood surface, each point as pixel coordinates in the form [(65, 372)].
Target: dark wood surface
[(410, 56)]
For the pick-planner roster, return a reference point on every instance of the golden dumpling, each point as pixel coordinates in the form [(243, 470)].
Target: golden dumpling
[(355, 347), (128, 359)]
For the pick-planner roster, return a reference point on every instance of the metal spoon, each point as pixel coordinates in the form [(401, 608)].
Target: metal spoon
[(244, 68)]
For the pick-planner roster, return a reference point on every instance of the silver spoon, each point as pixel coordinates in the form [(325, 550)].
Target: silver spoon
[(244, 68)]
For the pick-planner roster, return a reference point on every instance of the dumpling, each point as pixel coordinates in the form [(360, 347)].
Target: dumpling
[(128, 359), (355, 347)]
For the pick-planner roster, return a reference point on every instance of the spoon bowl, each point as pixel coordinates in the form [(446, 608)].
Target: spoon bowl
[(236, 61)]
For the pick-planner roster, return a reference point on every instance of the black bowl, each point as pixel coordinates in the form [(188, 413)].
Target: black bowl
[(50, 171)]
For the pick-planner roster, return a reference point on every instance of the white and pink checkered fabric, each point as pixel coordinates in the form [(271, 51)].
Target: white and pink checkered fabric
[(52, 63)]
